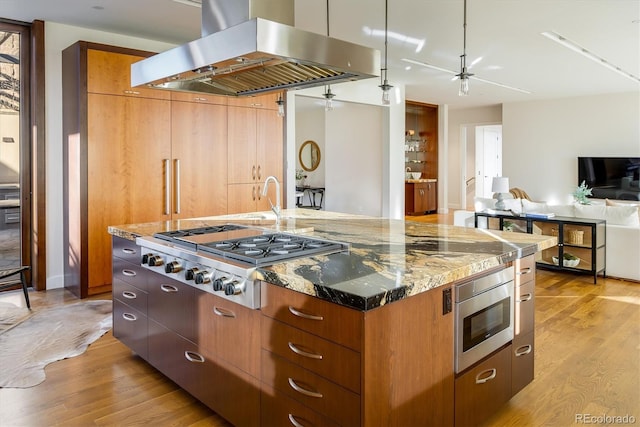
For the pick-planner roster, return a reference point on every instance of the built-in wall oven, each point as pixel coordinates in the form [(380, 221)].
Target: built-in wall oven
[(484, 317)]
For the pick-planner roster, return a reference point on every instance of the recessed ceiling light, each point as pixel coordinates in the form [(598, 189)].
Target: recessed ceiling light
[(569, 44), (97, 7)]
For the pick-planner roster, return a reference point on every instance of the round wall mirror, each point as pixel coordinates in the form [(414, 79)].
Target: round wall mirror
[(309, 155)]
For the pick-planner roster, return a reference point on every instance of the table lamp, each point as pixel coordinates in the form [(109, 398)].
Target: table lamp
[(500, 185)]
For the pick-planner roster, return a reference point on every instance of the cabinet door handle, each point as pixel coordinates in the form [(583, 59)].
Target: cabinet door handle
[(130, 317), (304, 315), (129, 295), (129, 251), (129, 273), (167, 190), (168, 288), (303, 353), (482, 378), (525, 349), (132, 92), (253, 172), (525, 298), (524, 271), (223, 312), (200, 99), (295, 422), (177, 191), (259, 173), (192, 356), (303, 390)]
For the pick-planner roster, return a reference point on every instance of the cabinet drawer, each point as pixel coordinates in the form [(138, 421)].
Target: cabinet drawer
[(331, 321), (130, 327), (311, 390), (279, 410), (230, 331), (318, 355), (525, 270), (199, 98), (133, 274), (522, 362), (130, 295), (232, 394), (483, 389), (172, 304), (126, 249), (524, 317)]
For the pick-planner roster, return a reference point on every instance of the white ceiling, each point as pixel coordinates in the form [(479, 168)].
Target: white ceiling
[(504, 33)]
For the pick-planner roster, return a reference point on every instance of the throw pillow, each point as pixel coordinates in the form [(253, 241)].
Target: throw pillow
[(514, 205), (533, 207), (562, 210), (623, 215), (591, 211)]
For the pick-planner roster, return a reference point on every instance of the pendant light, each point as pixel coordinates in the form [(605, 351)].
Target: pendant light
[(280, 103), (385, 86), (328, 95), (464, 75)]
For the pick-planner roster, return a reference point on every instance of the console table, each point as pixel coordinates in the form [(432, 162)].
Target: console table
[(583, 238), (312, 192)]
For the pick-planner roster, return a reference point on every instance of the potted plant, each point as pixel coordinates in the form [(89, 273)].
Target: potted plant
[(300, 177), (581, 193)]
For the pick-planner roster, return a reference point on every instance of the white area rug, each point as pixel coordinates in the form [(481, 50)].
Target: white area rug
[(46, 335)]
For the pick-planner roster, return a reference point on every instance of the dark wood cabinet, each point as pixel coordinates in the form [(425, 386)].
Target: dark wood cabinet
[(523, 347), (483, 389), (172, 304), (421, 197), (357, 358)]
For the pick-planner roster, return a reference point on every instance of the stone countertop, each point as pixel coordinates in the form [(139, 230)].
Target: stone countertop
[(388, 260), (419, 180)]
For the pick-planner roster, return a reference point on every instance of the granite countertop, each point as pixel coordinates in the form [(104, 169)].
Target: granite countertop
[(419, 180), (388, 260)]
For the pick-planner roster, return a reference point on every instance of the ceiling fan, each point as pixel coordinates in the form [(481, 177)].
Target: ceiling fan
[(463, 75)]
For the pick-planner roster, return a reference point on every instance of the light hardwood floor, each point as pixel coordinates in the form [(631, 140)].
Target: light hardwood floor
[(587, 362)]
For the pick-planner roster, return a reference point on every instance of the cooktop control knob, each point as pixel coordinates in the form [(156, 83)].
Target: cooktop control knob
[(220, 282), (203, 277), (234, 288), (190, 274), (173, 267), (145, 258), (155, 261)]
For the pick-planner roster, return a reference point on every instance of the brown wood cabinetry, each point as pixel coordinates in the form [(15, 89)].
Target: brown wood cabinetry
[(255, 152), (421, 197), (135, 155), (129, 297), (524, 318), (483, 388), (315, 354)]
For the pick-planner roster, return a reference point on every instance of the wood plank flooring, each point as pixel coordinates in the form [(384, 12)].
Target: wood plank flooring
[(587, 362)]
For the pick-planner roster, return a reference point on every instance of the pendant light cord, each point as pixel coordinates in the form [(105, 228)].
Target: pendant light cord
[(386, 32), (327, 18)]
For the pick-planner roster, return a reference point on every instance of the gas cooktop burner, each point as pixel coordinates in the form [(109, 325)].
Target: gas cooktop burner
[(268, 249), (170, 235)]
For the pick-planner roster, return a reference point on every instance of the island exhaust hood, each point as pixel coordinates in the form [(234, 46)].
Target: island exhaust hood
[(247, 48)]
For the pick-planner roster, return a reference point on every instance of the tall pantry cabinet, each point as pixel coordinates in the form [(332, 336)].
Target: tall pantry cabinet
[(131, 155)]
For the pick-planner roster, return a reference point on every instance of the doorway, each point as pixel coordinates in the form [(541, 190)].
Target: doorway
[(481, 147)]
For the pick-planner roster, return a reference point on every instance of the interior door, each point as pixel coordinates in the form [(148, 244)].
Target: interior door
[(488, 158)]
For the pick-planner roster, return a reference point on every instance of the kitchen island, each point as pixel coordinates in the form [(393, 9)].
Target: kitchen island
[(359, 337)]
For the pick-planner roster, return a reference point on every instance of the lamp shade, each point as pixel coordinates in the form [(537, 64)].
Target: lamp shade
[(500, 184)]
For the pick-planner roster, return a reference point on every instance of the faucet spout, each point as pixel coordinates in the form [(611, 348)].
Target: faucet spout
[(276, 209)]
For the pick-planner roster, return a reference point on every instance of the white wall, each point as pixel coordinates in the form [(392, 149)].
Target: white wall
[(310, 126), (57, 38), (542, 140)]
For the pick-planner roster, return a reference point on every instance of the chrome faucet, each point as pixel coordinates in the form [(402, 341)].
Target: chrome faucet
[(276, 208)]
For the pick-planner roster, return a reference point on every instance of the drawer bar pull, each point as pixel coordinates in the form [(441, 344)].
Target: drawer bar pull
[(168, 288), (129, 273), (295, 422), (303, 390), (482, 378), (304, 315), (223, 312), (132, 92), (300, 352), (525, 349), (525, 298), (129, 295), (130, 317), (193, 357), (129, 251), (524, 271)]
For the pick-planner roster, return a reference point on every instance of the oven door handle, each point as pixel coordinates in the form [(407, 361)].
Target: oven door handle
[(482, 378)]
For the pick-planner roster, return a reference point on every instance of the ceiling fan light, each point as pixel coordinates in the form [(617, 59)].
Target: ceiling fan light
[(464, 86)]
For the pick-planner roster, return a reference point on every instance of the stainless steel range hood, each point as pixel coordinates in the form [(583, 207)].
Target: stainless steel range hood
[(244, 51)]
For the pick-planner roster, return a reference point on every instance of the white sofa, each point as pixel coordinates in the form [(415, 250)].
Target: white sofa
[(623, 228)]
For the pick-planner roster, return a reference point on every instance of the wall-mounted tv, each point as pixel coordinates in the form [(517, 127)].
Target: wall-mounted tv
[(611, 177)]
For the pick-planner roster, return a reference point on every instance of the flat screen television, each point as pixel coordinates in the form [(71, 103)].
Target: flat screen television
[(611, 177)]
